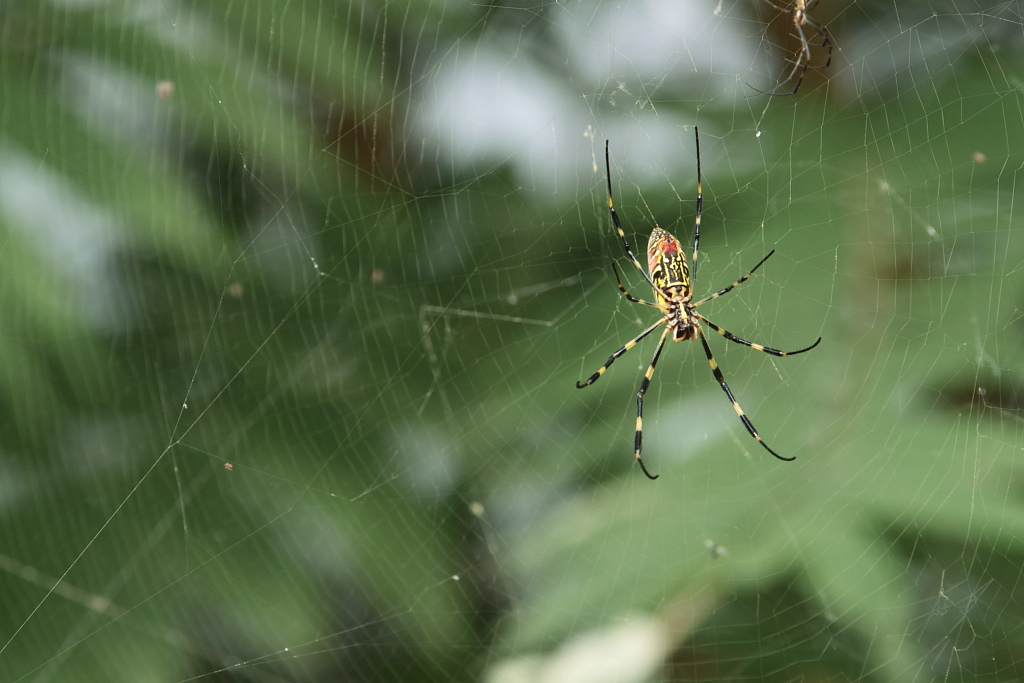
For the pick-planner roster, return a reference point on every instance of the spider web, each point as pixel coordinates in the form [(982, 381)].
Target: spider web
[(295, 296)]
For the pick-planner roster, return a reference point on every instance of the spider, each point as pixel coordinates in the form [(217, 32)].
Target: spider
[(672, 279), (802, 61)]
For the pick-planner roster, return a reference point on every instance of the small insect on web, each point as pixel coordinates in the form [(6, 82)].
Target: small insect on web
[(800, 17), (672, 279)]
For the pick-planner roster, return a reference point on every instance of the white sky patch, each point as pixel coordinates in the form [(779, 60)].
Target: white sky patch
[(493, 105), (659, 42)]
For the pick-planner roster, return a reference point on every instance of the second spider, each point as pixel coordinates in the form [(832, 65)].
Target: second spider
[(799, 16), (672, 278)]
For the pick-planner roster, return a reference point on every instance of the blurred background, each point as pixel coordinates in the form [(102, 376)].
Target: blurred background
[(295, 294)]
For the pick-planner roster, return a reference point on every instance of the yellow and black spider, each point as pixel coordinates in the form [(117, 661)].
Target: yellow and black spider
[(802, 60), (671, 278)]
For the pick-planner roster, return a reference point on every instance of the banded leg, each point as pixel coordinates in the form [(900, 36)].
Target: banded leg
[(732, 399), (611, 359), (630, 296), (615, 219), (700, 207), (738, 282), (638, 442), (803, 62), (757, 347), (803, 59)]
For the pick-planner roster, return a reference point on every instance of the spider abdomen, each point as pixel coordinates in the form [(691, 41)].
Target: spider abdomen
[(667, 265)]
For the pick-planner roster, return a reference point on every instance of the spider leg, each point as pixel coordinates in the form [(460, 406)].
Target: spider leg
[(618, 224), (611, 359), (732, 399), (769, 93), (757, 347), (803, 55), (729, 288), (802, 63), (629, 296), (826, 41), (638, 442), (797, 64), (803, 58), (700, 206)]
